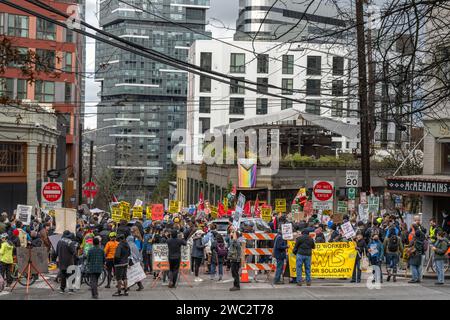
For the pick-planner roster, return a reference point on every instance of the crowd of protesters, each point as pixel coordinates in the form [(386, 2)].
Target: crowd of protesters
[(102, 244)]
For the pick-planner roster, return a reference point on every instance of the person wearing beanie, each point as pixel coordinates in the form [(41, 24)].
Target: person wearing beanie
[(95, 262), (303, 250), (121, 257)]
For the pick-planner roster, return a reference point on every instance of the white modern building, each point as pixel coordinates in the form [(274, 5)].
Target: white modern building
[(289, 20), (315, 75)]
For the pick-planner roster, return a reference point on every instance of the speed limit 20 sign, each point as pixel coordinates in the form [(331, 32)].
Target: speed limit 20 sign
[(351, 178)]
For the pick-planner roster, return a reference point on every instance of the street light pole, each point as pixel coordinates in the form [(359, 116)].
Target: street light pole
[(362, 93), (91, 160)]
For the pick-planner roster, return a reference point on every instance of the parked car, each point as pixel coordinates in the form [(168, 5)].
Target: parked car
[(257, 225), (222, 226)]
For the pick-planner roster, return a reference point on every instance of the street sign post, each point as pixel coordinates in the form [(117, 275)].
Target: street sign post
[(52, 195), (323, 194), (351, 178)]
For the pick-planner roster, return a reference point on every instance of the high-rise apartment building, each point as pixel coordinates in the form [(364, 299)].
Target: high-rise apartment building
[(288, 20), (58, 85), (143, 101)]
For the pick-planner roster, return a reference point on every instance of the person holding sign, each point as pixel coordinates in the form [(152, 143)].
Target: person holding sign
[(303, 250), (174, 244)]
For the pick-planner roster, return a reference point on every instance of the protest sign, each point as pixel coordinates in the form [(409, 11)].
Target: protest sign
[(337, 217), (287, 232), (125, 210), (342, 207), (348, 230), (240, 204), (23, 214), (135, 273), (116, 213), (332, 260), (38, 257), (160, 257), (157, 212), (374, 204), (138, 212), (266, 213), (363, 212), (280, 205), (174, 206), (65, 219), (148, 212), (213, 212)]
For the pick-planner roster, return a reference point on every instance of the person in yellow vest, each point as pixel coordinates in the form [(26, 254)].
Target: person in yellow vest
[(433, 230), (6, 258)]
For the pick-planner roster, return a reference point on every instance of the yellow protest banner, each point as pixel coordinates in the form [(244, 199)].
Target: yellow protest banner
[(148, 212), (213, 212), (116, 214), (174, 206), (137, 212), (280, 205), (266, 213), (125, 210), (331, 260)]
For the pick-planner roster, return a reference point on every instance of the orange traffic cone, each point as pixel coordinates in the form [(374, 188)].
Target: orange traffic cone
[(244, 275)]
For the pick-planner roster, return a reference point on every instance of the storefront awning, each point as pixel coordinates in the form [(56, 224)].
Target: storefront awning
[(438, 185)]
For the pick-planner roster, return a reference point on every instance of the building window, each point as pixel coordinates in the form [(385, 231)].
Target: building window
[(45, 59), (262, 86), (44, 91), (68, 61), (287, 86), (17, 26), (313, 107), (205, 84), (7, 88), (286, 104), (312, 87), (205, 105), (68, 93), (12, 158), (205, 125), (337, 88), (237, 64), (337, 108), (69, 35), (338, 66), (314, 67), (234, 120), (206, 60), (261, 106), (22, 89), (263, 63), (288, 64), (234, 89), (237, 106), (195, 14), (45, 30), (21, 59)]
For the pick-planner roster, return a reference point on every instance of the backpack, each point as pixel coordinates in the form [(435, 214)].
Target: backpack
[(393, 243), (222, 251)]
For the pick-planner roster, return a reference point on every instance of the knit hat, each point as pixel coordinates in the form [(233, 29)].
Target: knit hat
[(16, 232)]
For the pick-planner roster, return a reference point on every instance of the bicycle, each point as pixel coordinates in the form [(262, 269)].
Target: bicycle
[(14, 271)]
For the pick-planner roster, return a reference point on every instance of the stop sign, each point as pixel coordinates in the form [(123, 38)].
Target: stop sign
[(323, 191), (52, 192), (89, 189)]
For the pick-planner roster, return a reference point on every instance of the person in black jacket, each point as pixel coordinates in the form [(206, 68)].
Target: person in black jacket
[(279, 253), (65, 251), (361, 250), (124, 229), (174, 244), (303, 249), (121, 261)]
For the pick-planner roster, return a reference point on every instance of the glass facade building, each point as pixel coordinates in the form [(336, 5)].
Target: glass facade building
[(143, 101)]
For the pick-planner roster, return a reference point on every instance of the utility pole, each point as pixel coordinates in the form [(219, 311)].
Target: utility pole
[(91, 160), (362, 93), (80, 161)]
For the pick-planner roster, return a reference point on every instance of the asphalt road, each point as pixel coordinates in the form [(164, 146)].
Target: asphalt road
[(213, 290)]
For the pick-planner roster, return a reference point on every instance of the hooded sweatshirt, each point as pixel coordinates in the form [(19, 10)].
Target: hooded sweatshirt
[(136, 255)]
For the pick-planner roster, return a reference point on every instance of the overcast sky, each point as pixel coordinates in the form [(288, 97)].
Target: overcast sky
[(222, 12)]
